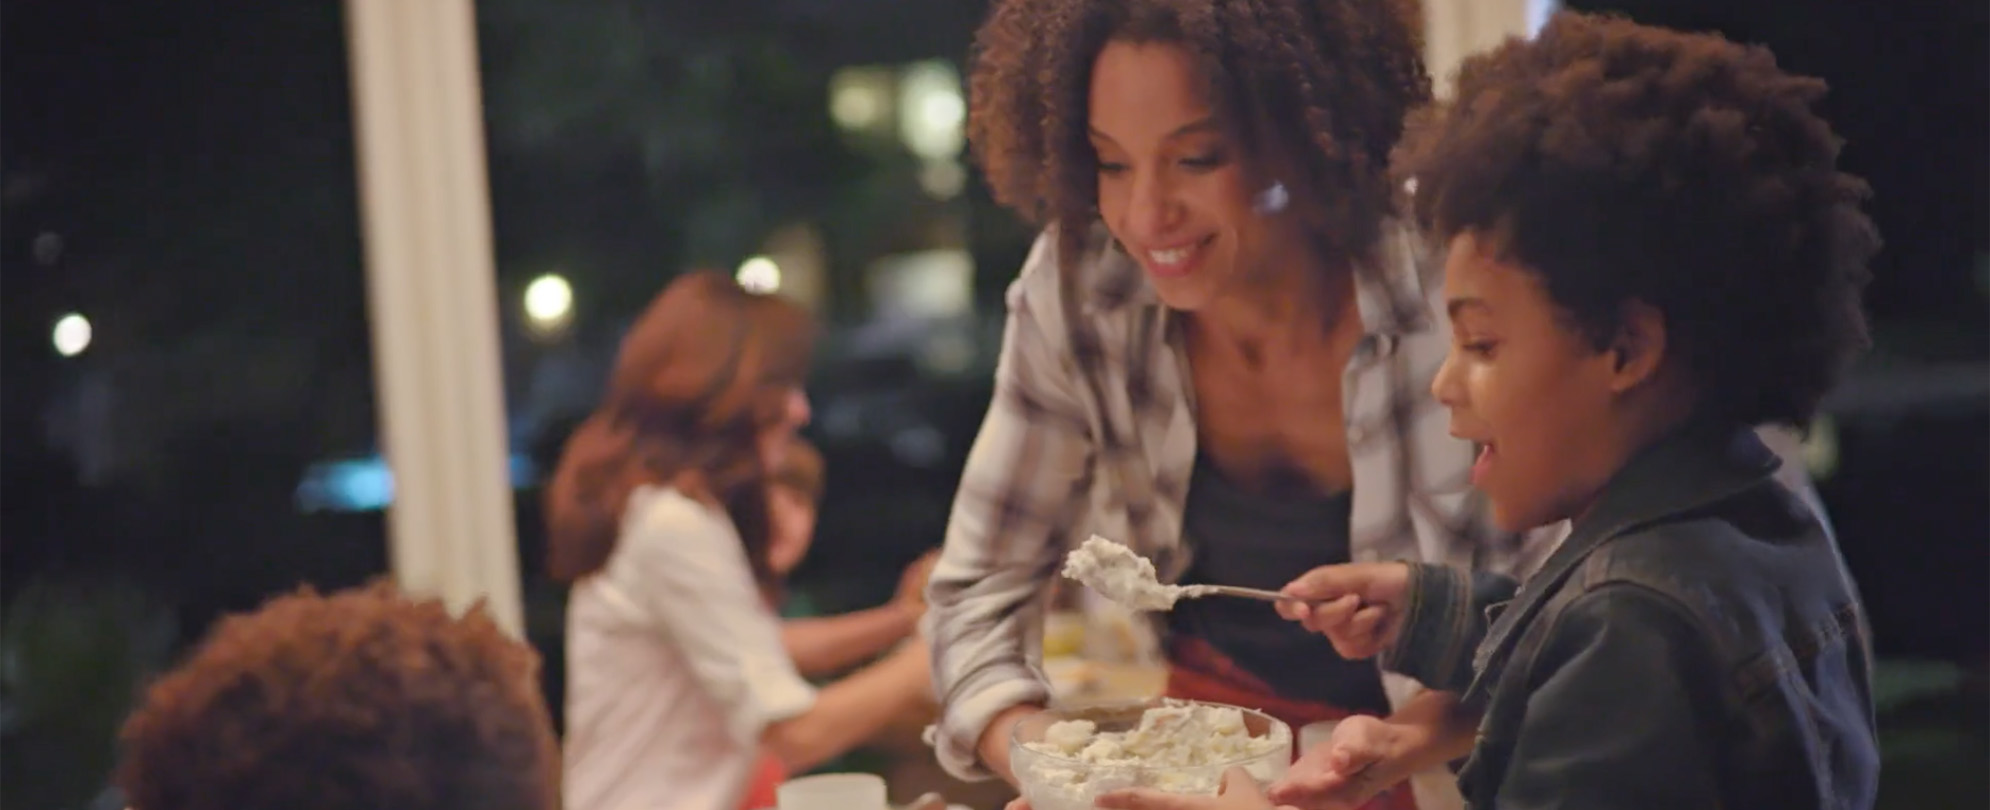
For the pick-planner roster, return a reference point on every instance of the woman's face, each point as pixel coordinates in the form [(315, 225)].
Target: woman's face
[(1173, 189)]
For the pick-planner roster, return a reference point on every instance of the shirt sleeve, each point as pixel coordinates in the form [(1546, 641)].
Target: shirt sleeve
[(1444, 623), (1020, 494), (684, 567), (1627, 712)]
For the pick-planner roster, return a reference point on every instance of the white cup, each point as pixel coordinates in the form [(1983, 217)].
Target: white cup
[(832, 791)]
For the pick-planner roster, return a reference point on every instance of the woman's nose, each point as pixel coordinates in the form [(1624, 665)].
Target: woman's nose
[(1152, 212)]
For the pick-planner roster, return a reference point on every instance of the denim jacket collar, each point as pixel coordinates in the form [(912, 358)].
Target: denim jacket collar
[(1697, 465)]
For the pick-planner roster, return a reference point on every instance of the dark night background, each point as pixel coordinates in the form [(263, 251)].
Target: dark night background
[(183, 174)]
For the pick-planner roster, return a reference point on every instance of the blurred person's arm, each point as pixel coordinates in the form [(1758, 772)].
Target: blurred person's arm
[(1020, 495), (852, 710), (826, 645), (684, 567)]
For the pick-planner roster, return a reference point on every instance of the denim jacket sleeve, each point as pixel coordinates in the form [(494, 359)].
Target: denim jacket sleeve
[(1444, 623), (1625, 711)]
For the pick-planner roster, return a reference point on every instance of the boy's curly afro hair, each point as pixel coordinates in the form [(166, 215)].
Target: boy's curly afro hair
[(1622, 162)]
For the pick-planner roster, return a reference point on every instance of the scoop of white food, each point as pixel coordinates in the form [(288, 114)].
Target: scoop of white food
[(1122, 576)]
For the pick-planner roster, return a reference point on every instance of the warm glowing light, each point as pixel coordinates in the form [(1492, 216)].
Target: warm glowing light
[(72, 335), (759, 274), (549, 300)]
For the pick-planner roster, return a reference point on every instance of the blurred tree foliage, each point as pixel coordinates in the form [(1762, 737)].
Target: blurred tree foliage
[(73, 654), (641, 137)]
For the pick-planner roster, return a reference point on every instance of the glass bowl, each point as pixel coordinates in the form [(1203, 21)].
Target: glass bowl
[(1184, 747)]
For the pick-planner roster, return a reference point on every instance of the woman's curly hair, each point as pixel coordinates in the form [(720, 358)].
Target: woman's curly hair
[(1315, 90), (1622, 162), (362, 700)]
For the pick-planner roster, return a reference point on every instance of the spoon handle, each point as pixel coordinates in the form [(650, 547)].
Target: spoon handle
[(1193, 591)]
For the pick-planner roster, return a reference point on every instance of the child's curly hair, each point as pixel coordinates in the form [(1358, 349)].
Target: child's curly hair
[(1621, 162), (1314, 90), (362, 700)]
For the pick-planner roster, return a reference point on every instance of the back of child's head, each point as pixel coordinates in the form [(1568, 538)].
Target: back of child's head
[(1621, 162), (362, 700)]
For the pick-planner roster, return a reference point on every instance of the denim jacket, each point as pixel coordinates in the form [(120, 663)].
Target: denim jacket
[(1696, 642)]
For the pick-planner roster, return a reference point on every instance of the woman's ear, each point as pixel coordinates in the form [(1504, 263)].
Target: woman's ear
[(1639, 347)]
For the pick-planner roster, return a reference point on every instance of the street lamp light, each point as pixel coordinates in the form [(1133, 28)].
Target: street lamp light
[(549, 303), (759, 275), (72, 335)]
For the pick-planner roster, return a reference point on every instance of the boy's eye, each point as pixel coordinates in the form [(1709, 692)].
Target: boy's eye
[(1478, 348), (1109, 167)]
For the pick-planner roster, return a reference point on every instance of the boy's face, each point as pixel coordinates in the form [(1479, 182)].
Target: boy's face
[(1537, 396)]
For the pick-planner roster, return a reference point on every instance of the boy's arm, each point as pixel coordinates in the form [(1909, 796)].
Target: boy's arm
[(1444, 619)]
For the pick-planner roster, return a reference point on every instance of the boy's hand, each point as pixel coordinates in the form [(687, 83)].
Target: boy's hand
[(1365, 756), (1357, 606)]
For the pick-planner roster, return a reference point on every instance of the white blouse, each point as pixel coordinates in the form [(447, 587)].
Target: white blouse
[(674, 665)]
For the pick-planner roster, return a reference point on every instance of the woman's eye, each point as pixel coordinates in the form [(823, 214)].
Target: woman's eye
[(1203, 162), (1478, 348)]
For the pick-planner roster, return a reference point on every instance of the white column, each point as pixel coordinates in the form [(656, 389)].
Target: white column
[(1455, 29), (432, 294)]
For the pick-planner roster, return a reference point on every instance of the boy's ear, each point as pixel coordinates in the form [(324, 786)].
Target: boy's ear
[(1638, 350)]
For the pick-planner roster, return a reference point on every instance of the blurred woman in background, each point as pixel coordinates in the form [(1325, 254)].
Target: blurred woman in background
[(680, 693)]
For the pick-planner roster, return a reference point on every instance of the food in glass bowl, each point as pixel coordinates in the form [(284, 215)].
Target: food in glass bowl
[(1065, 758)]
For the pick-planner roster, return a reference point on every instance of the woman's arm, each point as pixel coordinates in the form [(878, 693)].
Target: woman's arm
[(828, 645), (1020, 494), (852, 710)]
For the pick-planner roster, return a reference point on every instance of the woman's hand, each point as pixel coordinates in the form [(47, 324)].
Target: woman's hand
[(1357, 606), (1240, 792)]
